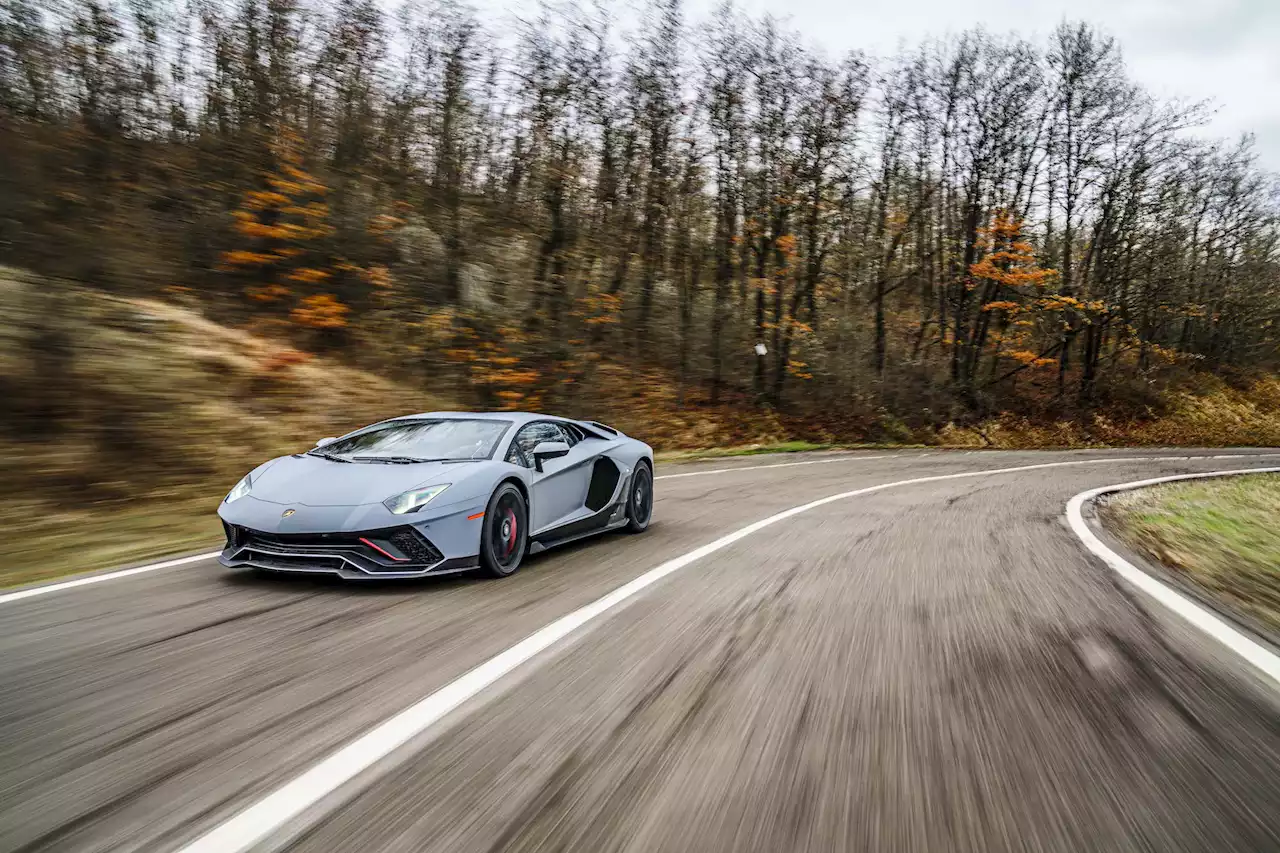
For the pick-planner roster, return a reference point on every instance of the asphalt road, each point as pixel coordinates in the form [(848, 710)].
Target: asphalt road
[(935, 666)]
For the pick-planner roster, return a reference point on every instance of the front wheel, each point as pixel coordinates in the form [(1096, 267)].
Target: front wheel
[(504, 532), (640, 499)]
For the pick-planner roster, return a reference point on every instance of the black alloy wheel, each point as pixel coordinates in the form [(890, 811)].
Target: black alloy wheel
[(640, 499), (504, 533)]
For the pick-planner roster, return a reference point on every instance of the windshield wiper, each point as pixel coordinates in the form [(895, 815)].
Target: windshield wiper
[(406, 460), (331, 457)]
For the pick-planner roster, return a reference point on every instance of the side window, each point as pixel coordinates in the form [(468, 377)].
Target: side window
[(521, 452)]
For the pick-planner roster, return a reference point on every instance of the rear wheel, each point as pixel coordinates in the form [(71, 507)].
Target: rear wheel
[(640, 499), (504, 532)]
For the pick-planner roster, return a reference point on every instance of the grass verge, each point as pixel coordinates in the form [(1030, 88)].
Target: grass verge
[(42, 546), (1221, 534)]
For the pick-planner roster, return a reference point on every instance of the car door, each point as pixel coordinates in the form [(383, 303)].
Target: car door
[(557, 493)]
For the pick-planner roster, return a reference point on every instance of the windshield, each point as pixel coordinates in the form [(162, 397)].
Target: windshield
[(422, 439)]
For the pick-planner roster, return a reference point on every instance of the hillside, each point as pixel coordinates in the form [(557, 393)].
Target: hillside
[(125, 420)]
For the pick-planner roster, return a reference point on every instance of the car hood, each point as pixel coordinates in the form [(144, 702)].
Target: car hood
[(312, 481)]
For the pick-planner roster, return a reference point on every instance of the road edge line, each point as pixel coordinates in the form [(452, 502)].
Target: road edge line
[(86, 580), (1253, 653)]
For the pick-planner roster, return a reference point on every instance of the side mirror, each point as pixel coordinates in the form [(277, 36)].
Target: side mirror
[(548, 450), (322, 442)]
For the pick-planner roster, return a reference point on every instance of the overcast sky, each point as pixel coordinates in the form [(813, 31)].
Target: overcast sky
[(1227, 51)]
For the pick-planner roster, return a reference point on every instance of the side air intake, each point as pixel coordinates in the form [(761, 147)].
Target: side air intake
[(604, 480)]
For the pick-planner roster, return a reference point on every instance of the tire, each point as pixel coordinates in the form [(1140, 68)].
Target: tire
[(640, 499), (504, 533)]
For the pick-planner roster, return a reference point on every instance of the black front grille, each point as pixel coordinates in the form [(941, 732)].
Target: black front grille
[(394, 549)]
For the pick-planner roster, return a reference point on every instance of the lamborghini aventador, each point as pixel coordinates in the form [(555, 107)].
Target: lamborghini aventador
[(438, 493)]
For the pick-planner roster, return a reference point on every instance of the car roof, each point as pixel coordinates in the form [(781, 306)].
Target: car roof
[(515, 417)]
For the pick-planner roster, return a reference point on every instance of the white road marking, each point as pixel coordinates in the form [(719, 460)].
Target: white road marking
[(1216, 627), (7, 597), (259, 820), (776, 465)]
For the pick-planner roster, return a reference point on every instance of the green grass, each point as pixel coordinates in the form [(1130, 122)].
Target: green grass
[(1222, 534)]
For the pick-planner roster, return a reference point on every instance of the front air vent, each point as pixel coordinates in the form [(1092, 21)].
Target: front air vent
[(415, 546), (604, 481)]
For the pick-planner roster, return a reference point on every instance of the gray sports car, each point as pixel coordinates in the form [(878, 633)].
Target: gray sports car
[(436, 494)]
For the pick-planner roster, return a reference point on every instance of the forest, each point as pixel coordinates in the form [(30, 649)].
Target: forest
[(586, 208)]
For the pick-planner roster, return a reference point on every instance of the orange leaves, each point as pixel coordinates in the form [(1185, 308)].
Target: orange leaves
[(320, 311), (308, 275), (797, 369), (268, 293), (1030, 358), (241, 258), (378, 277), (263, 200), (1010, 261), (1004, 305), (598, 308), (383, 224)]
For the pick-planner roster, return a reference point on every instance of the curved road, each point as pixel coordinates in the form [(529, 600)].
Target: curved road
[(933, 666)]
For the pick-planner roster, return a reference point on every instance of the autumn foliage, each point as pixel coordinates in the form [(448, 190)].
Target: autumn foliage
[(286, 260)]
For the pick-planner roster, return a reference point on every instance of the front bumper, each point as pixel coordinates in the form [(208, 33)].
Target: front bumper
[(328, 539), (395, 552)]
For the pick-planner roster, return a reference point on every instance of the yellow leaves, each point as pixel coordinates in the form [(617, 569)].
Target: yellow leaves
[(598, 308), (377, 276), (268, 293), (1030, 358), (314, 210), (320, 311), (244, 259), (797, 369), (263, 199), (1009, 261), (285, 187), (1001, 306), (787, 245), (384, 223), (309, 275), (258, 230)]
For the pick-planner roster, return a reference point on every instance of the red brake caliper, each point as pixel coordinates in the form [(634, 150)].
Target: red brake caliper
[(511, 539)]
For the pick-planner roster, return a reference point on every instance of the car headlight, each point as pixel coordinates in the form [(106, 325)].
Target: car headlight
[(414, 500), (241, 489)]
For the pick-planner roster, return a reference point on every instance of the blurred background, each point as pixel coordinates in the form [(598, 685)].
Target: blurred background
[(228, 229)]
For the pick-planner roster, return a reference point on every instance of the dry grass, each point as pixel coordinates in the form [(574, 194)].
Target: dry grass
[(1210, 414), (1222, 535), (119, 450)]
